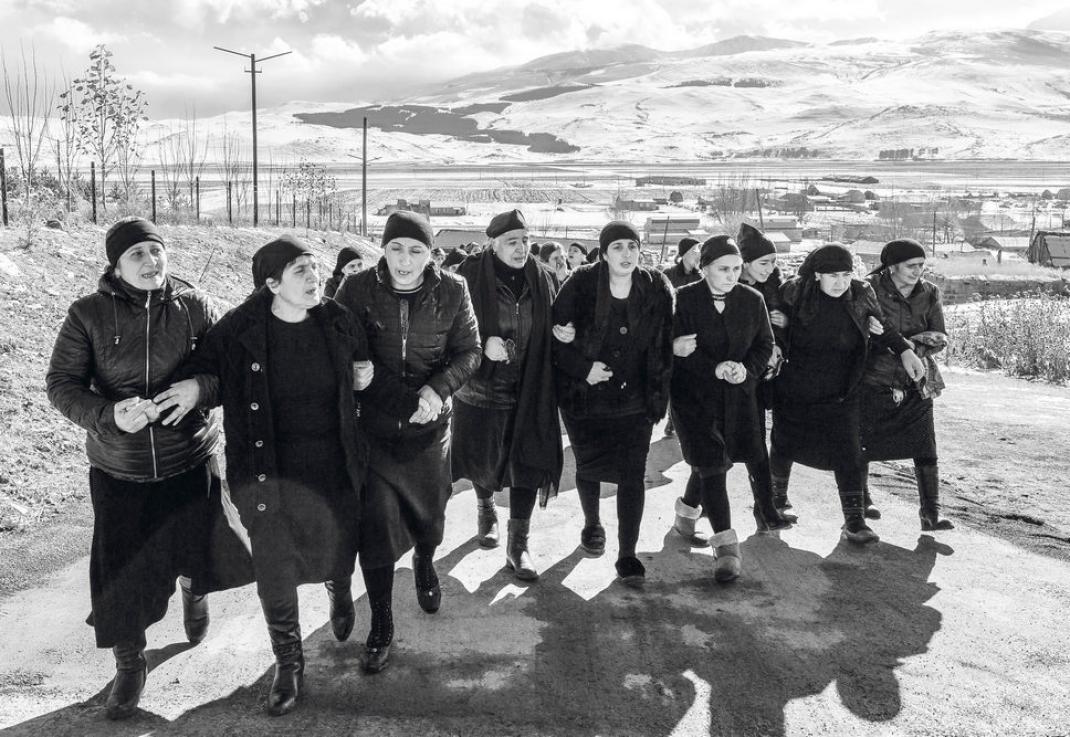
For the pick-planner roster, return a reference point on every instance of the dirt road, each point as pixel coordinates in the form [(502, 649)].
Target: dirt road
[(960, 634)]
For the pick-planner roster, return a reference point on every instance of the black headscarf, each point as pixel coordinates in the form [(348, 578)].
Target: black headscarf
[(126, 233), (898, 251), (715, 247), (615, 231), (752, 243), (346, 255), (271, 258)]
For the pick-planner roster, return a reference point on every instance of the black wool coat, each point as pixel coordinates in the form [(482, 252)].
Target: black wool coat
[(584, 301), (701, 425), (235, 352)]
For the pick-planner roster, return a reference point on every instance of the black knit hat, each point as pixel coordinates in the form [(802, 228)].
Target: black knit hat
[(685, 245), (126, 233), (715, 247), (752, 243), (828, 259), (579, 246), (453, 258), (898, 251), (503, 222), (271, 259), (615, 231), (346, 255), (408, 224)]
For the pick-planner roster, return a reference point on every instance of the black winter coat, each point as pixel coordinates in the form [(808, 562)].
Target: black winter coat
[(750, 342), (234, 353), (680, 278), (122, 342), (436, 343), (922, 311), (585, 302), (862, 304)]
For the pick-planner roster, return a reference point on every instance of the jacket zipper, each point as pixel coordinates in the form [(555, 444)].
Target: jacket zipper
[(403, 308), (152, 436)]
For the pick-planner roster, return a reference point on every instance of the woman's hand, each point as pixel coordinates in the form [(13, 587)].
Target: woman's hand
[(685, 345), (914, 366), (875, 327), (430, 406), (133, 414), (495, 349), (363, 373), (731, 371), (778, 318), (565, 333), (599, 373), (180, 398)]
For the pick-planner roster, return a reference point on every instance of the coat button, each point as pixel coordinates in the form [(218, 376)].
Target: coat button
[(262, 477), (261, 507), (259, 443), (255, 366), (254, 406), (623, 330)]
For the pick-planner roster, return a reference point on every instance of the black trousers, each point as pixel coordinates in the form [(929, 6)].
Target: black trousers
[(145, 535)]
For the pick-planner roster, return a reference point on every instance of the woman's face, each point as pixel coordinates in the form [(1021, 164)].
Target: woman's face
[(143, 266), (558, 263), (760, 269), (513, 247), (722, 274), (353, 267), (576, 257), (691, 258), (835, 283), (406, 259), (907, 273), (622, 256), (299, 286)]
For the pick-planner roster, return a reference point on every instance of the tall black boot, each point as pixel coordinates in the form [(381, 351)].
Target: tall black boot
[(428, 591), (868, 510), (284, 629), (377, 646), (766, 515), (855, 528), (194, 612), (780, 497), (928, 477), (486, 522), (130, 672), (343, 614), (516, 551)]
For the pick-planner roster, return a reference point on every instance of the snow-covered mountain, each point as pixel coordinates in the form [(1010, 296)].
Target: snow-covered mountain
[(948, 95)]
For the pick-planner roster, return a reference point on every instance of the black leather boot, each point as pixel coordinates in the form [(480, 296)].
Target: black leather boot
[(516, 551), (289, 668), (928, 477), (343, 614), (130, 672), (194, 612), (486, 522), (428, 592), (855, 528), (780, 497), (868, 510), (767, 517), (377, 646)]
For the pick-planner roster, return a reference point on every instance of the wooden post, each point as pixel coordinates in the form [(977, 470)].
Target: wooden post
[(93, 187), (3, 186), (197, 189), (153, 172), (308, 214), (230, 210), (293, 211)]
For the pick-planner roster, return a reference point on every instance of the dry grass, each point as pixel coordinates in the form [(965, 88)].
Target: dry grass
[(1029, 337)]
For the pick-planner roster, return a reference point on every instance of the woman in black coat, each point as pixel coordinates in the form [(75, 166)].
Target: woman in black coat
[(506, 431), (425, 345), (152, 475), (613, 382), (816, 418), (722, 346), (287, 363), (348, 262), (897, 412)]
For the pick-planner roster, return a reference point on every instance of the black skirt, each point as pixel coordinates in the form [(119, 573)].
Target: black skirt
[(312, 536), (405, 497), (145, 535), (481, 440), (820, 435), (700, 426), (610, 449), (892, 432)]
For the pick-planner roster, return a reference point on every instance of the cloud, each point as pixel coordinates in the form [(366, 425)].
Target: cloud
[(74, 34)]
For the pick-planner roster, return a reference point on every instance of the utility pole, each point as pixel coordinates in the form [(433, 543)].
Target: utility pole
[(252, 71), (364, 178)]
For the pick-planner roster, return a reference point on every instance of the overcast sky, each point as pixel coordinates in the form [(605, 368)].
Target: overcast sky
[(366, 50)]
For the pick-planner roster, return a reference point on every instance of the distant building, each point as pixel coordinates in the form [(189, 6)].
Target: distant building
[(659, 181), (669, 230), (450, 238), (634, 205), (425, 207), (1050, 249), (786, 225)]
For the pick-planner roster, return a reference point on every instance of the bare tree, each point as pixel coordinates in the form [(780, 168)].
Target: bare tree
[(64, 142), (193, 151), (234, 169), (170, 150), (30, 98)]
